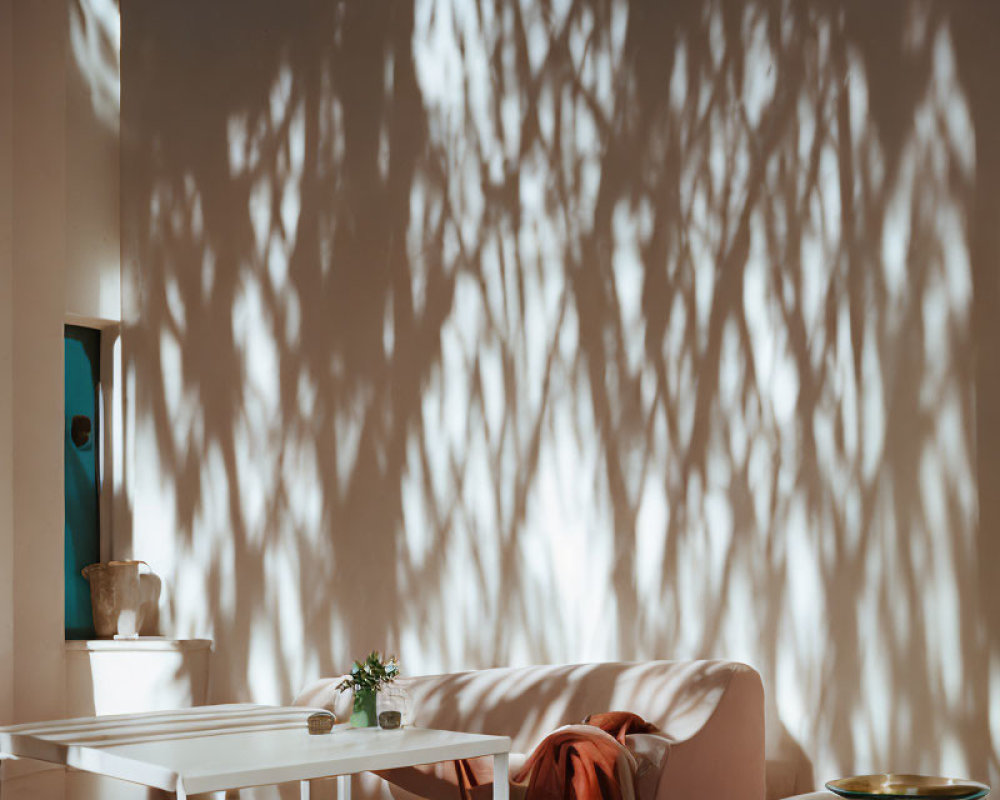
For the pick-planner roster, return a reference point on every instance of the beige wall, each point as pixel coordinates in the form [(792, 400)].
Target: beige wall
[(651, 332), (58, 260), (6, 388), (39, 256), (93, 271)]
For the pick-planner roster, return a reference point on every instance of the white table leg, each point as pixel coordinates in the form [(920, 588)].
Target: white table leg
[(501, 778), (305, 790), (343, 787)]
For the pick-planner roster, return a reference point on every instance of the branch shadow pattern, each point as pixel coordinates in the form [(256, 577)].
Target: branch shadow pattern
[(537, 332)]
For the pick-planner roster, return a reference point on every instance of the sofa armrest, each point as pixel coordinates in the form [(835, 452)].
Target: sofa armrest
[(724, 759)]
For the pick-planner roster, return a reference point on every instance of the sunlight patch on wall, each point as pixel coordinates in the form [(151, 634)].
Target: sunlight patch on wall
[(95, 41)]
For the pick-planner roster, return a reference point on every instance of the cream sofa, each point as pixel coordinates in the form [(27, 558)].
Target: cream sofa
[(712, 710)]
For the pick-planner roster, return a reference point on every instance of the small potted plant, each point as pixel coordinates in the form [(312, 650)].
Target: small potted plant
[(366, 679)]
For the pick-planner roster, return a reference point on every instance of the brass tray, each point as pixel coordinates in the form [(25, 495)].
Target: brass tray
[(914, 787)]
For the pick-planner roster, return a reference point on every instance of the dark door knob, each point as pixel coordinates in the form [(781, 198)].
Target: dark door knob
[(79, 430)]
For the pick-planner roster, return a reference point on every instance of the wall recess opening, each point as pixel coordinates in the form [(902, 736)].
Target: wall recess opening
[(81, 446)]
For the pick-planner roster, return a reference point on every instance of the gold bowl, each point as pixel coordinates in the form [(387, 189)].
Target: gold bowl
[(913, 787)]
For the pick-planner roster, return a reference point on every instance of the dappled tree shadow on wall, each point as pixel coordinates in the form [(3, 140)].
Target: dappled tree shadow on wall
[(499, 332)]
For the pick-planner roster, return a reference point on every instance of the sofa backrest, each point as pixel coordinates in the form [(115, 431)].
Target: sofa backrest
[(527, 703)]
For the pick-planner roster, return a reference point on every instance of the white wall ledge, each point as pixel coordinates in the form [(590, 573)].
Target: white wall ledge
[(142, 644)]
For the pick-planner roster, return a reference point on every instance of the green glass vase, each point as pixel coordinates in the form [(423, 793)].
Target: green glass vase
[(363, 713)]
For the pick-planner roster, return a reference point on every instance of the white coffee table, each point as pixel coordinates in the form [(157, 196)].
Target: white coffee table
[(213, 748)]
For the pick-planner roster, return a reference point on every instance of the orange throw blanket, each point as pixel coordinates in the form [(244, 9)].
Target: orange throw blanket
[(577, 762)]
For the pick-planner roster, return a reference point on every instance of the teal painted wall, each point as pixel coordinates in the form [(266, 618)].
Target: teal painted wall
[(83, 370)]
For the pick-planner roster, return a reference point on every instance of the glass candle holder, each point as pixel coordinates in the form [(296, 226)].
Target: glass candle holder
[(395, 698)]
